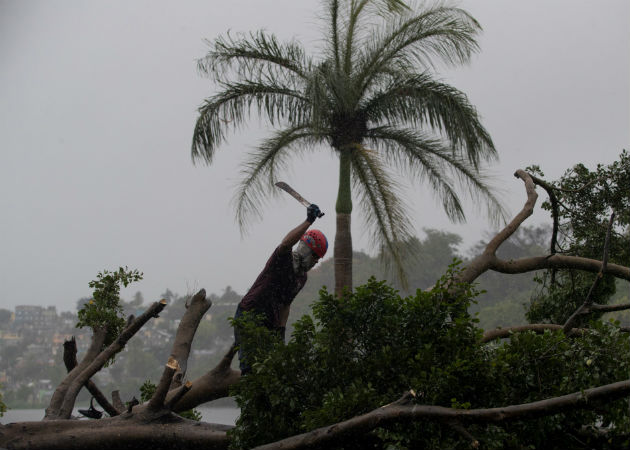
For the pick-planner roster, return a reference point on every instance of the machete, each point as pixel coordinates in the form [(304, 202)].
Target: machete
[(282, 185)]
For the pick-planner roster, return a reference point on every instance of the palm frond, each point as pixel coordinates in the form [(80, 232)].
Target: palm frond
[(345, 15), (444, 32), (262, 164), (422, 101), (381, 203), (427, 159), (333, 11), (250, 54), (233, 104)]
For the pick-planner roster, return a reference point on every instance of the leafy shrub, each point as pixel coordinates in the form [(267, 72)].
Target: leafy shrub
[(105, 309), (364, 350)]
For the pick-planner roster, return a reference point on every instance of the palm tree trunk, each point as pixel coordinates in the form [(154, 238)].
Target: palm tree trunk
[(343, 236)]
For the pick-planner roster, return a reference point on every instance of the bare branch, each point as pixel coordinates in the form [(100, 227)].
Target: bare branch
[(482, 262), (104, 356), (556, 261), (488, 260), (70, 361), (56, 402), (609, 308), (405, 411), (157, 400), (211, 386), (118, 404), (117, 433), (178, 395), (186, 330)]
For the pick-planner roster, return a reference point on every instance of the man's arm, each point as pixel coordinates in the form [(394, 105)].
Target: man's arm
[(295, 234)]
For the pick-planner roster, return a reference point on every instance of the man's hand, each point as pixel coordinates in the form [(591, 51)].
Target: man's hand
[(312, 213)]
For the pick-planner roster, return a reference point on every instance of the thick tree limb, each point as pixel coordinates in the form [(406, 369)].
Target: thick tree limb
[(556, 261), (482, 262), (405, 411), (56, 402), (178, 395), (70, 361), (118, 404), (488, 260), (608, 308), (211, 386), (186, 330), (157, 400), (104, 356), (124, 431)]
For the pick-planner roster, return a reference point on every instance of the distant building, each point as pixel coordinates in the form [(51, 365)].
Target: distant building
[(36, 317)]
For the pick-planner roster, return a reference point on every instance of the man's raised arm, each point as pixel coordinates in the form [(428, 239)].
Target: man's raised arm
[(295, 234)]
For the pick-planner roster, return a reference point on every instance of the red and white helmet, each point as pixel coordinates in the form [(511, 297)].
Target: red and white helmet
[(316, 241)]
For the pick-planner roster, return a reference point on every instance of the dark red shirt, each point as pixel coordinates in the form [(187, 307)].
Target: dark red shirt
[(276, 286)]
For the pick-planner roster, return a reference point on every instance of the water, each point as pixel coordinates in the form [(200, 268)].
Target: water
[(223, 415)]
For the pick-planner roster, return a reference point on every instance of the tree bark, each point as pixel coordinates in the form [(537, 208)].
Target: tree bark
[(343, 233), (70, 361), (404, 410), (56, 402), (488, 260), (186, 330), (127, 431), (213, 385)]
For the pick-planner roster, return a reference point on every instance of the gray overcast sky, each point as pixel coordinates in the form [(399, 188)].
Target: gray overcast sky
[(98, 101)]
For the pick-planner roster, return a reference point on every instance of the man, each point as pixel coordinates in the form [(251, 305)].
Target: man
[(282, 278)]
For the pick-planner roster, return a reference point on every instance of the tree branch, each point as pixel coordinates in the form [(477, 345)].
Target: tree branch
[(405, 411), (157, 400), (482, 262), (186, 330), (56, 402), (211, 386), (488, 260), (609, 308), (118, 432), (70, 361), (104, 356), (178, 395)]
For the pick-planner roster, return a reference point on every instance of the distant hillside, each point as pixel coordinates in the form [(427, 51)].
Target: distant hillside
[(502, 304)]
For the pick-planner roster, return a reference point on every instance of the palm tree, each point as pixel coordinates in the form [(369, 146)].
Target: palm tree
[(371, 96)]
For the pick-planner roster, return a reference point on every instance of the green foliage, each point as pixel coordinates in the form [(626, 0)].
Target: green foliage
[(148, 389), (105, 310), (586, 200), (363, 351)]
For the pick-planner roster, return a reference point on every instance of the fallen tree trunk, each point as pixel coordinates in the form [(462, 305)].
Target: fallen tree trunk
[(126, 431)]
